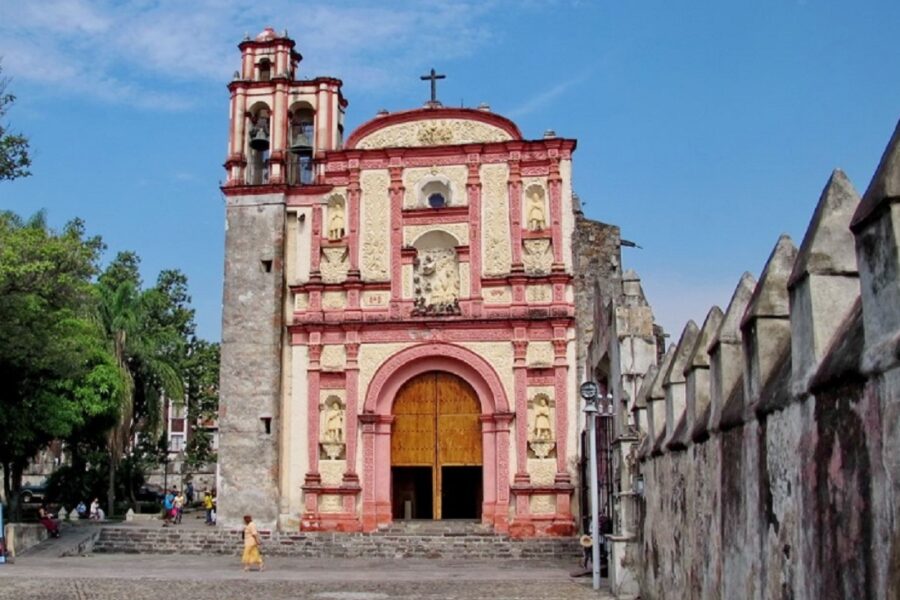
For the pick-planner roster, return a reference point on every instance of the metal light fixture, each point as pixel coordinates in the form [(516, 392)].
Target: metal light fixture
[(589, 392)]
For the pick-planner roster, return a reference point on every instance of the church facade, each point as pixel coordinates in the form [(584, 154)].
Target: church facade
[(398, 323)]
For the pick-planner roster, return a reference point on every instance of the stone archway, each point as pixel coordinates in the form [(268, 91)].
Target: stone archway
[(377, 420)]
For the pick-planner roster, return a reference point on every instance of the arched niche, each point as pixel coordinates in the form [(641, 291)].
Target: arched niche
[(436, 281), (258, 144), (435, 191), (336, 218), (536, 209), (301, 143)]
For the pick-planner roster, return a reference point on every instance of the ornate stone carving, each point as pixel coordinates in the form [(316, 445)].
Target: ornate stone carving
[(333, 300), (535, 209), (540, 432), (336, 218), (333, 357), (330, 503), (375, 233), (539, 354), (375, 299), (455, 174), (334, 264), (435, 134), (537, 258), (542, 504), (497, 295), (436, 282), (539, 293), (431, 132), (495, 208), (460, 231), (332, 439)]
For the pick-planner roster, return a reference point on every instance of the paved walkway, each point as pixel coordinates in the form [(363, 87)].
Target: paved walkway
[(139, 577)]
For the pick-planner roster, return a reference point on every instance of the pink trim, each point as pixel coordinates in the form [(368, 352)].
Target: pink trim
[(383, 388), (554, 181), (351, 369), (473, 189), (316, 250), (396, 191), (520, 347), (514, 187), (422, 114)]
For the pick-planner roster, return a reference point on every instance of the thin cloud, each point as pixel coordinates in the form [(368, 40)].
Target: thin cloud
[(544, 98), (153, 54)]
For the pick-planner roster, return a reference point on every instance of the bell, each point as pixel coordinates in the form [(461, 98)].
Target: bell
[(259, 139), (300, 144)]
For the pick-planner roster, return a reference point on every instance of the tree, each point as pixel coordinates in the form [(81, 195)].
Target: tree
[(14, 151), (202, 399), (55, 372), (148, 331)]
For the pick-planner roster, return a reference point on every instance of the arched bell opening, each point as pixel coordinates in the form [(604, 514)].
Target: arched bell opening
[(264, 70), (258, 143), (301, 144)]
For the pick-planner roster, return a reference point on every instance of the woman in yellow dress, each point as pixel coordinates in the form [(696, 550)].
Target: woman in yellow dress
[(251, 556)]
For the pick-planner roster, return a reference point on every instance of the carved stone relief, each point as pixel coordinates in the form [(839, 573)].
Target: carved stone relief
[(334, 264), (535, 208), (333, 357), (539, 293), (436, 282), (541, 442), (375, 299), (537, 258), (301, 301), (495, 208), (331, 437), (497, 295), (336, 218), (433, 132), (375, 233), (333, 300), (539, 355), (415, 178)]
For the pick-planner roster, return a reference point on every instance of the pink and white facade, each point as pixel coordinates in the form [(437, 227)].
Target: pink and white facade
[(434, 240)]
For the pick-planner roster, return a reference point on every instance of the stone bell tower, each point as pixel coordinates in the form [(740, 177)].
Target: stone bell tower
[(280, 127)]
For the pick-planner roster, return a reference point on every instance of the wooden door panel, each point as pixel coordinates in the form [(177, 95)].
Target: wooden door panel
[(436, 422)]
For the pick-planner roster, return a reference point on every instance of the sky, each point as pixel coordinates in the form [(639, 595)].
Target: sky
[(705, 128)]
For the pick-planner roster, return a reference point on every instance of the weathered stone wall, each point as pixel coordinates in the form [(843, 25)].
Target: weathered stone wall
[(789, 485), (597, 270), (250, 381)]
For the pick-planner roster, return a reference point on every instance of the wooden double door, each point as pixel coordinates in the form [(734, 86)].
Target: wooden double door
[(436, 454)]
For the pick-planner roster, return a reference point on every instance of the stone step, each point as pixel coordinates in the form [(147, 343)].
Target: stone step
[(384, 544)]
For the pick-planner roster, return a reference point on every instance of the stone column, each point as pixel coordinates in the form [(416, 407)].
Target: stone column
[(554, 182), (489, 485), (501, 518), (396, 193), (515, 209), (473, 192)]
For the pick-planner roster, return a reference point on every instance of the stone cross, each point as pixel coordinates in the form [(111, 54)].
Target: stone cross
[(433, 77)]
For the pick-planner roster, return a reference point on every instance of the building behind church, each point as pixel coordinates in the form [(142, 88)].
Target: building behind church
[(399, 324)]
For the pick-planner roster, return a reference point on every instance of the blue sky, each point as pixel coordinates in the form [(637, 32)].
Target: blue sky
[(705, 128)]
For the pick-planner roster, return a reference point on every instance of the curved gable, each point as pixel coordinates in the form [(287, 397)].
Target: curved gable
[(433, 127)]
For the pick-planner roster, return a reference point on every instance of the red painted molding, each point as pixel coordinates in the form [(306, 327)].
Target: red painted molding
[(421, 114)]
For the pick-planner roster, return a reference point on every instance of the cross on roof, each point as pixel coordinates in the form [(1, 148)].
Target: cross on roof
[(433, 76)]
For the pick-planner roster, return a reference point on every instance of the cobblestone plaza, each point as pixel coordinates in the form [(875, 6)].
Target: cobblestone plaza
[(139, 577)]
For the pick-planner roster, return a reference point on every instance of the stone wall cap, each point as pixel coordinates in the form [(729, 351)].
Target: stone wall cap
[(770, 297), (640, 401), (675, 372), (828, 246), (656, 388), (842, 359), (730, 328), (884, 189), (699, 355)]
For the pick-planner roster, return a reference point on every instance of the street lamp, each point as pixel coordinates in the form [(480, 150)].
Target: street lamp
[(589, 392)]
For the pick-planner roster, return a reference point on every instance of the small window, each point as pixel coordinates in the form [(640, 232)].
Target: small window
[(437, 200), (435, 193), (265, 70)]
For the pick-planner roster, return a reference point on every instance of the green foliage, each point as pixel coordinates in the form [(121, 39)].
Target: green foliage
[(202, 397), (54, 370), (14, 156)]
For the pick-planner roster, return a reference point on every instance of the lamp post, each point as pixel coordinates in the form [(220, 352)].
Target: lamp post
[(589, 392)]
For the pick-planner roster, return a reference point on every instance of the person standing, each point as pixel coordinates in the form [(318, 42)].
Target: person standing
[(168, 507), (208, 506), (252, 556), (95, 510), (179, 507), (189, 493)]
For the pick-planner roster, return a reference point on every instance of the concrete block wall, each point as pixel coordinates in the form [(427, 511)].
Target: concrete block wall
[(789, 486)]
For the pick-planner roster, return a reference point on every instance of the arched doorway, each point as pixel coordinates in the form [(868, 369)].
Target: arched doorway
[(436, 449)]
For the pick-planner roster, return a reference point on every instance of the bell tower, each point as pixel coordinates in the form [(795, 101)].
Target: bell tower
[(280, 125), (280, 130)]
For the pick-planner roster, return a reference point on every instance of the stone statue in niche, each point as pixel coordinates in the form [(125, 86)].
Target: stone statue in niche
[(336, 219), (436, 282), (540, 436), (537, 219), (332, 436)]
